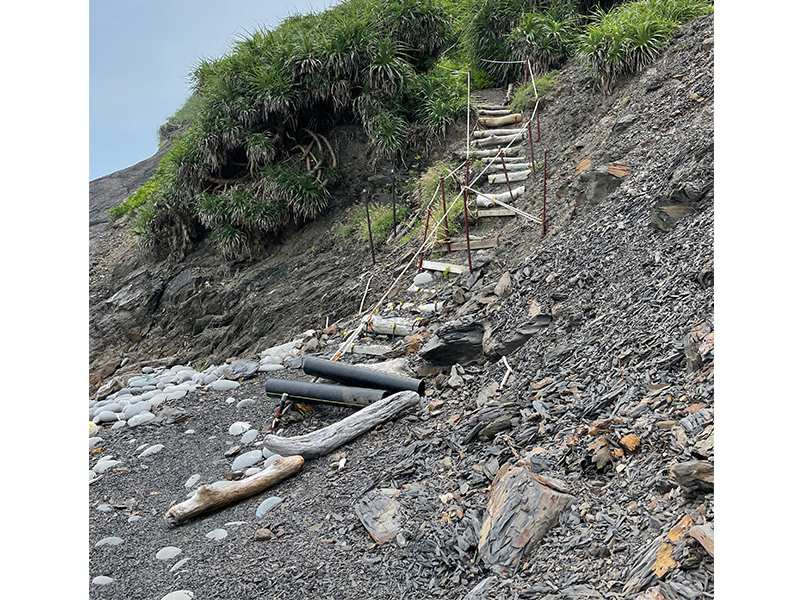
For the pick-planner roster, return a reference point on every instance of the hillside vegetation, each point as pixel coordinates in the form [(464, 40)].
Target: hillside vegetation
[(254, 156)]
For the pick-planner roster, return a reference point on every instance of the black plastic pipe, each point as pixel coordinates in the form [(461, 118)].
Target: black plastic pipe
[(350, 375), (324, 393)]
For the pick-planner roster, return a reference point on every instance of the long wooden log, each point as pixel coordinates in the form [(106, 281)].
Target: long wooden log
[(326, 440), (494, 112), (207, 499), (486, 200), (520, 166), (499, 140), (514, 151), (500, 121), (484, 133), (398, 326), (495, 160), (514, 176)]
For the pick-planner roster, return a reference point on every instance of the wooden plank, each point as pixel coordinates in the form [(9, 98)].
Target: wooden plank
[(500, 121), (485, 133), (515, 176), (432, 265), (496, 212), (513, 151), (475, 243), (500, 140)]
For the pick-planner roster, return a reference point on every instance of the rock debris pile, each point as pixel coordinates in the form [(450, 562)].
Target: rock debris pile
[(564, 444)]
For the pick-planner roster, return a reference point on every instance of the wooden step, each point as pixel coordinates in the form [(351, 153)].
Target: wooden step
[(500, 140), (500, 121), (475, 243), (495, 160), (515, 176), (494, 112), (488, 106), (512, 151), (433, 265), (521, 166), (484, 133), (496, 212), (488, 200)]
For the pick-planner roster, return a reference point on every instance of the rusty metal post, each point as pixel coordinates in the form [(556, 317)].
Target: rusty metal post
[(544, 195), (394, 209), (466, 226), (424, 238), (369, 226), (444, 212), (508, 182), (530, 145), (538, 129)]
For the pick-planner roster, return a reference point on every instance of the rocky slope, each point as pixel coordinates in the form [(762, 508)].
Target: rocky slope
[(588, 372)]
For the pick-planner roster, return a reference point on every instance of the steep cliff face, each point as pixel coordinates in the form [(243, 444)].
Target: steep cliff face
[(651, 142)]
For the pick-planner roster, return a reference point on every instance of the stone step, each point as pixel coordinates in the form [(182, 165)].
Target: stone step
[(515, 176)]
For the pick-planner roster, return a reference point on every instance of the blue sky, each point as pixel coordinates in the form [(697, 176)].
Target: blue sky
[(140, 54)]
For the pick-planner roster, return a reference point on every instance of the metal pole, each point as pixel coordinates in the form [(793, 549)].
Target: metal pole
[(369, 226), (424, 238), (544, 195), (466, 228), (538, 130), (444, 209), (508, 182), (530, 144), (394, 210)]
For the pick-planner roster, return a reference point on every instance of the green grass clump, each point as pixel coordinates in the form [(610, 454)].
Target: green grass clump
[(546, 39), (630, 36), (526, 94)]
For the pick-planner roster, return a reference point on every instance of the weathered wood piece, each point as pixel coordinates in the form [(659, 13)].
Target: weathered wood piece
[(208, 499), (485, 133), (432, 265), (494, 112), (513, 151), (500, 121), (496, 212), (325, 440), (521, 166), (522, 507), (398, 326), (378, 512), (495, 160), (515, 176), (499, 140)]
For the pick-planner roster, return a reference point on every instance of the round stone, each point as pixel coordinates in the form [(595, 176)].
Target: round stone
[(94, 441), (269, 461), (179, 564), (102, 580), (134, 409), (192, 480), (109, 541), (245, 403), (179, 595), (141, 418), (168, 552), (267, 505), (152, 450), (249, 436), (105, 465), (217, 534), (238, 428), (248, 459), (224, 385), (134, 518), (106, 416)]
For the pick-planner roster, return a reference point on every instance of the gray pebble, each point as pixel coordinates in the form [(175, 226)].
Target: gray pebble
[(134, 518), (140, 419), (94, 441), (268, 462), (192, 480), (245, 403), (267, 505), (102, 580), (238, 428), (217, 534), (179, 564), (106, 416), (223, 385), (134, 409), (109, 541), (249, 436), (152, 450), (168, 552), (248, 459), (105, 465), (104, 507), (179, 595), (251, 471), (119, 425)]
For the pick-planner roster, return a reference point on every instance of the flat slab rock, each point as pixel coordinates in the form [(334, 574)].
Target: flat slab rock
[(522, 507)]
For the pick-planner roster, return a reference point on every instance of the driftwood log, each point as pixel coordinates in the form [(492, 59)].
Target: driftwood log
[(500, 121), (208, 499), (514, 176), (325, 440), (500, 140)]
